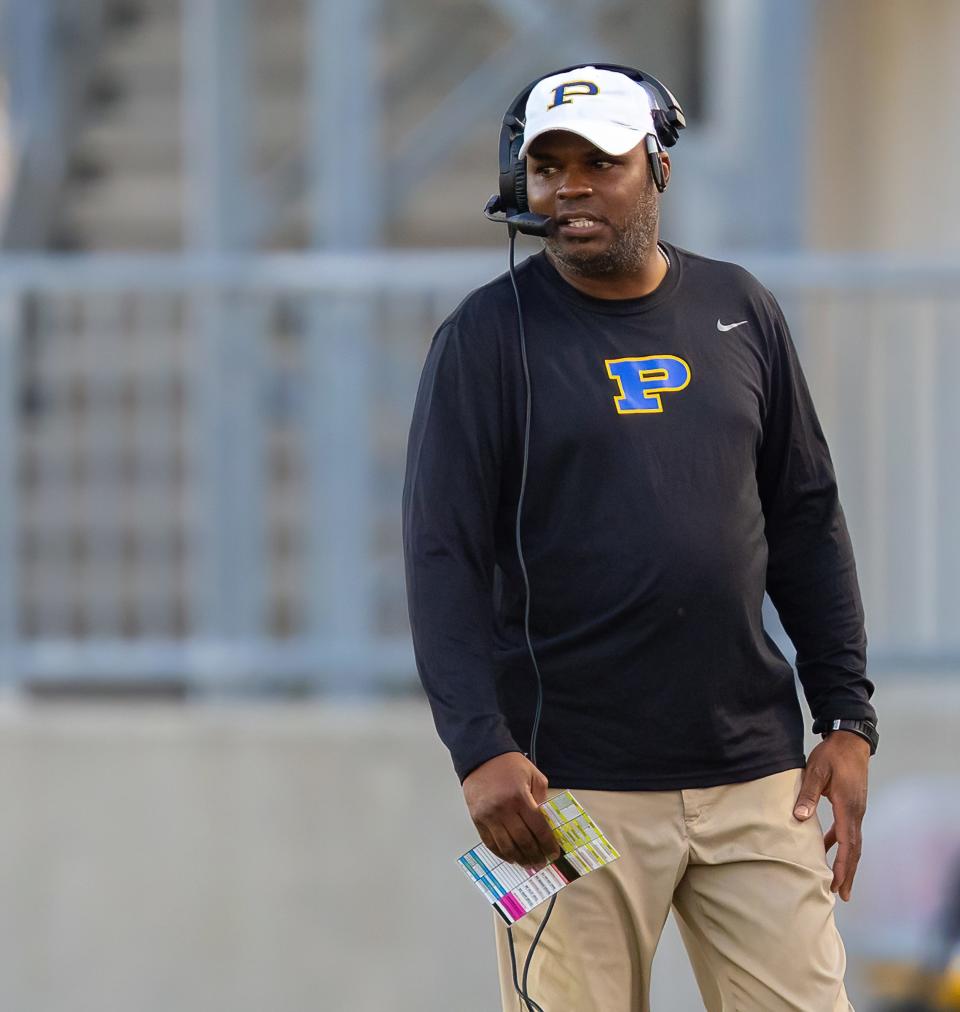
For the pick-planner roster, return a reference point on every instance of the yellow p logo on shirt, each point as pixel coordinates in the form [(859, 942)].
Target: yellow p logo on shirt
[(643, 380)]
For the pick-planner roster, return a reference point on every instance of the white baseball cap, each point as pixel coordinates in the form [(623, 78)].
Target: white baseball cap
[(609, 109)]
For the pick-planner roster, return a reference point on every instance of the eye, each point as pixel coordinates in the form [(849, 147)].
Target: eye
[(603, 163), (545, 170)]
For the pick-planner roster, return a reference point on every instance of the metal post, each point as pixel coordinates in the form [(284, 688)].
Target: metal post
[(230, 556), (9, 486), (345, 185), (215, 113), (33, 73), (783, 93), (750, 154), (345, 201), (35, 142)]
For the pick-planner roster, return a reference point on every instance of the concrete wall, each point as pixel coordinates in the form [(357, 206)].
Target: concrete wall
[(282, 857)]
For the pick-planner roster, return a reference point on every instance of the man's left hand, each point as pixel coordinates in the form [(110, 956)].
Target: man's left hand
[(837, 769)]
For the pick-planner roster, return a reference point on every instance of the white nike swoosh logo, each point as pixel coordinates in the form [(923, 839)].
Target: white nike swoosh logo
[(729, 326)]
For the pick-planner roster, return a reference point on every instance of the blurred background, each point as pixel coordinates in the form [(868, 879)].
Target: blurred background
[(228, 230)]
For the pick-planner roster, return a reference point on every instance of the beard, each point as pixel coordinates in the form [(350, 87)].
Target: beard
[(634, 243)]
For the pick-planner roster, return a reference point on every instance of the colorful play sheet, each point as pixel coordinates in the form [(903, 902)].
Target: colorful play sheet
[(515, 890)]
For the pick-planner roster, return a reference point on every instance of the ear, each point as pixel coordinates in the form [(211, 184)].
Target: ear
[(665, 163)]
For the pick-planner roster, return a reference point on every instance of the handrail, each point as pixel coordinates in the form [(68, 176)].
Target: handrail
[(420, 270)]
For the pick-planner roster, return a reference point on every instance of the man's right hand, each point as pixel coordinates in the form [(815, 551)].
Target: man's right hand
[(502, 796)]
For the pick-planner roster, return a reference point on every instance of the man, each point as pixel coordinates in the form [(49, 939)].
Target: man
[(676, 471)]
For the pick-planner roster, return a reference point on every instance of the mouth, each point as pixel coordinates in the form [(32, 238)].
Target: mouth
[(579, 224)]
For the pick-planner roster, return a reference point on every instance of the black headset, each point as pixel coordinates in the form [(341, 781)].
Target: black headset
[(510, 206)]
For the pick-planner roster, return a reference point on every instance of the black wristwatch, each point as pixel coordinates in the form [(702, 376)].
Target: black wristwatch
[(866, 729)]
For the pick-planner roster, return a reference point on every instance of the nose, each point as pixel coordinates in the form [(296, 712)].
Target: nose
[(574, 185)]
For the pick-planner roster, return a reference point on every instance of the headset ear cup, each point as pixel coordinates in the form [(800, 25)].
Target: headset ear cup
[(667, 131), (520, 185), (513, 172)]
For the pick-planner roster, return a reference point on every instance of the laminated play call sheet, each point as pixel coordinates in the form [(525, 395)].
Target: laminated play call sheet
[(515, 890)]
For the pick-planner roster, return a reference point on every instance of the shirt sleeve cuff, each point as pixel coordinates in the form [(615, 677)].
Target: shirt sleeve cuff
[(475, 749)]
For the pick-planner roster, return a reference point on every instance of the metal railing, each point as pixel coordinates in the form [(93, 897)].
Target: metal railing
[(201, 458)]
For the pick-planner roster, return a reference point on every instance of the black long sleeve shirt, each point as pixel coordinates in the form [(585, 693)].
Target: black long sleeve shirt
[(676, 470)]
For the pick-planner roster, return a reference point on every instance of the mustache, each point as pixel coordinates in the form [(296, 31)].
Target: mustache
[(634, 242)]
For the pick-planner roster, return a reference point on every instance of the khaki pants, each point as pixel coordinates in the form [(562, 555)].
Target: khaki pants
[(750, 888)]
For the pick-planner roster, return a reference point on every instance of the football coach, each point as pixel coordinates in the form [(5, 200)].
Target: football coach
[(613, 455)]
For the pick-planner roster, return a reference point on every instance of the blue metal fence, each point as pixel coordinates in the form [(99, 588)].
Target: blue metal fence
[(227, 513)]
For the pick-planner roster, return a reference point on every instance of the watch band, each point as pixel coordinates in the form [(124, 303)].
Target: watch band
[(866, 729)]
